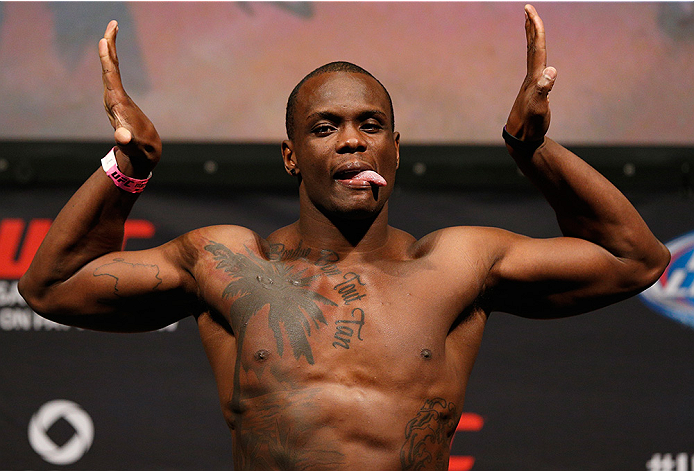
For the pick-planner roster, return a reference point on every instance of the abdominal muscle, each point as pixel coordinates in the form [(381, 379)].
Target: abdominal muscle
[(336, 426), (389, 402), (386, 403), (395, 410)]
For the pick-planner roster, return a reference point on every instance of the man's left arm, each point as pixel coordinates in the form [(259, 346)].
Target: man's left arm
[(608, 251)]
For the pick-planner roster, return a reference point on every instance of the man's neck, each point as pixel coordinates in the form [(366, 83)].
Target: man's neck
[(343, 235)]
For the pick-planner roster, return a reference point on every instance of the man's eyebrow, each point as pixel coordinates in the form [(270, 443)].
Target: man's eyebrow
[(373, 114), (335, 117), (322, 115)]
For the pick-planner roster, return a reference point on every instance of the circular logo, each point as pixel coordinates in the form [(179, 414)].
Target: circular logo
[(673, 294), (75, 447)]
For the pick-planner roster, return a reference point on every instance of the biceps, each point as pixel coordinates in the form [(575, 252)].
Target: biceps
[(124, 275), (123, 291), (557, 277)]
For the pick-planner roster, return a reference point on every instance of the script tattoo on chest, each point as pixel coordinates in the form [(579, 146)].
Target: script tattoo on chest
[(345, 329), (327, 262), (350, 288)]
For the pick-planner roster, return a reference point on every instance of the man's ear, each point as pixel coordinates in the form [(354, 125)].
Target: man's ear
[(289, 158), (396, 138)]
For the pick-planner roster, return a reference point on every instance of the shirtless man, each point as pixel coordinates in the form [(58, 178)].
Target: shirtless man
[(339, 311)]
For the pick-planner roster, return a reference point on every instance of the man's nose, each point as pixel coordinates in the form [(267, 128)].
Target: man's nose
[(351, 140)]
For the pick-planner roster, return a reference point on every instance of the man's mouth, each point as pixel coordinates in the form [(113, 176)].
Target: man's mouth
[(360, 178)]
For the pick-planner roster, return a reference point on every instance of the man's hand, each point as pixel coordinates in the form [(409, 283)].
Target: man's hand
[(135, 135), (530, 116)]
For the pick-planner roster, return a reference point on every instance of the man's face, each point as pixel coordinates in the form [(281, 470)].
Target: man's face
[(343, 127)]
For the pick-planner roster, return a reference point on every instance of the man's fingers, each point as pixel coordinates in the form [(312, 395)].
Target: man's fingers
[(530, 114), (535, 37), (109, 58), (134, 134), (114, 94), (107, 45), (529, 29), (111, 33)]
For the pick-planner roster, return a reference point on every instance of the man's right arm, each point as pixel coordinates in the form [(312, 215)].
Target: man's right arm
[(78, 275)]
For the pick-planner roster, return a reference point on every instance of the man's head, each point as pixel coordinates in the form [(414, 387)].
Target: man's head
[(338, 66), (342, 138)]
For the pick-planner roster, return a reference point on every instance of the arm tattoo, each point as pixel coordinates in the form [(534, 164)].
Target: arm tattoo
[(147, 275)]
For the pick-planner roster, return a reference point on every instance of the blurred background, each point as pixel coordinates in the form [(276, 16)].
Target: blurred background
[(610, 390)]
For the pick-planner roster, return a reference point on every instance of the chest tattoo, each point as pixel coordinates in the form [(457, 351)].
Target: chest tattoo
[(281, 287)]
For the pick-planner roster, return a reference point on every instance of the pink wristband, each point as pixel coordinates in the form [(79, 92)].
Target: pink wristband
[(122, 181)]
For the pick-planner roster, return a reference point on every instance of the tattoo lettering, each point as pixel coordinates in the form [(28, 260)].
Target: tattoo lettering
[(428, 436), (344, 332), (327, 262), (147, 275), (349, 289), (278, 252)]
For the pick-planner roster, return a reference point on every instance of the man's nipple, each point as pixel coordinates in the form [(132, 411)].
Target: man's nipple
[(261, 355)]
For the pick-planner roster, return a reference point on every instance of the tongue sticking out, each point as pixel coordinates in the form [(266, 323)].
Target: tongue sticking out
[(371, 177)]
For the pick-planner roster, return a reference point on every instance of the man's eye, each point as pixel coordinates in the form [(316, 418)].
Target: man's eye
[(322, 129), (371, 127)]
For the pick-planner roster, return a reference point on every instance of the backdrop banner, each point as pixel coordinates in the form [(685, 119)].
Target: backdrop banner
[(453, 68), (608, 390)]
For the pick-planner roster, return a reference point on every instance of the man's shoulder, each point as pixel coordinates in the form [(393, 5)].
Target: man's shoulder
[(449, 241), (231, 236)]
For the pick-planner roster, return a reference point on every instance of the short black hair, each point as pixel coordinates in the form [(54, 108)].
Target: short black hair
[(337, 66)]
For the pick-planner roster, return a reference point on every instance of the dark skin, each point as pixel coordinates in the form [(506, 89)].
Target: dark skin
[(340, 342)]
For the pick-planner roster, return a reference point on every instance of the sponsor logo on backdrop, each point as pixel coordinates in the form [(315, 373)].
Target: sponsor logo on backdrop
[(469, 422), (16, 254), (19, 241), (74, 448), (673, 294), (670, 462)]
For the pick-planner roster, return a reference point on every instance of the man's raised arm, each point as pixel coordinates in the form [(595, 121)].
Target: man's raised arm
[(77, 276), (608, 252)]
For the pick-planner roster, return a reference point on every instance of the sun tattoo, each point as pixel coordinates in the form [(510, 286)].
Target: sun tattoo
[(258, 283)]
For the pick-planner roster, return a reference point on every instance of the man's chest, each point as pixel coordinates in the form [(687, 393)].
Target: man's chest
[(298, 307)]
